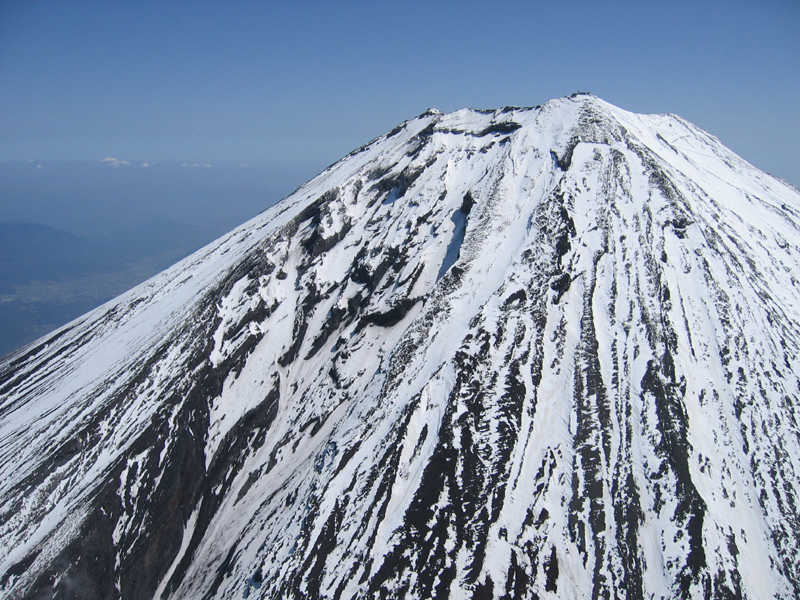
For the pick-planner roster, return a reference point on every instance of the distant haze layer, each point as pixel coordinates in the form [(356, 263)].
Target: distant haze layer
[(98, 197)]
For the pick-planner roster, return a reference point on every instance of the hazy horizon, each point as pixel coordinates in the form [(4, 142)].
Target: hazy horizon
[(304, 84)]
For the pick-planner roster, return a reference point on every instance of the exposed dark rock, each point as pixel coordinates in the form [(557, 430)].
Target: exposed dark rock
[(500, 128)]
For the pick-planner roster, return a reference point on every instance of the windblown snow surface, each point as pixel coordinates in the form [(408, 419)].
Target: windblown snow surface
[(543, 352)]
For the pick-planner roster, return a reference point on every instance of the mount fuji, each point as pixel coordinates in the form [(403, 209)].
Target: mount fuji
[(526, 353)]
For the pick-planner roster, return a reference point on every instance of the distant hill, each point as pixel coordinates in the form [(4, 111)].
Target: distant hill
[(49, 276), (30, 251)]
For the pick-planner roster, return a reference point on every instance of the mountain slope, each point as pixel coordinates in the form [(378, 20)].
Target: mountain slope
[(525, 353)]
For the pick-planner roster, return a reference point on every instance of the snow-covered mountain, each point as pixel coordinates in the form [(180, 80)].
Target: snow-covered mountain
[(547, 352)]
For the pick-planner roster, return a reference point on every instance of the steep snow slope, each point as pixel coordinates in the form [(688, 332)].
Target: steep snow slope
[(526, 353)]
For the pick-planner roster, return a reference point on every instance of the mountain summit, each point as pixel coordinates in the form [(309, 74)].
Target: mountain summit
[(526, 353)]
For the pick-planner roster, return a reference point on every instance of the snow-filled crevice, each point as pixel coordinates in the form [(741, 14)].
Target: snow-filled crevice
[(459, 219)]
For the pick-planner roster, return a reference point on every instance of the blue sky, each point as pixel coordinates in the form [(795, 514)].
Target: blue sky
[(301, 84)]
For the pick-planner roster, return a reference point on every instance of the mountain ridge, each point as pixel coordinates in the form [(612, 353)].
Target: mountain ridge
[(522, 353)]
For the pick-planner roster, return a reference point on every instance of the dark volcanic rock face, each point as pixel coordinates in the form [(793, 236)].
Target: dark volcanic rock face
[(522, 354)]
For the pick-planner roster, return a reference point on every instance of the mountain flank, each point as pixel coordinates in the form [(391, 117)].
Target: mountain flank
[(525, 353)]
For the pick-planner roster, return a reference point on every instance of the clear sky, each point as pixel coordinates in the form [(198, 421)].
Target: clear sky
[(302, 83)]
